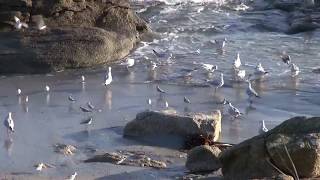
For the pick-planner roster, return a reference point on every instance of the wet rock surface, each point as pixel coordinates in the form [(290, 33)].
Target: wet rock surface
[(130, 158), (203, 158), (164, 123), (269, 154), (78, 34), (290, 17)]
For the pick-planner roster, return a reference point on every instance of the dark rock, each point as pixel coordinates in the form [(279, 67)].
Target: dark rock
[(79, 34), (264, 155), (203, 158)]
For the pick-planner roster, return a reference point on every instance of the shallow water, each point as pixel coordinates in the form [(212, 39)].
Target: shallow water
[(185, 31)]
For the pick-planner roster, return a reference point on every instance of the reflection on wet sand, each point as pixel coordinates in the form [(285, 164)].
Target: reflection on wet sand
[(108, 98)]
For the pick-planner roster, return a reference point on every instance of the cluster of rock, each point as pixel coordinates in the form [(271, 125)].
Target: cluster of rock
[(290, 149), (290, 16), (79, 33)]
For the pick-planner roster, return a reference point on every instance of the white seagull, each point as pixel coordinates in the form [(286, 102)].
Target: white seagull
[(8, 122), (237, 62), (149, 102), (41, 166), (263, 128), (251, 92), (259, 70), (294, 70), (26, 99), (108, 78), (240, 74), (47, 88), (19, 91), (233, 111), (221, 83), (153, 65), (129, 62), (220, 43), (73, 176), (19, 24), (209, 67), (87, 121), (83, 79), (167, 104)]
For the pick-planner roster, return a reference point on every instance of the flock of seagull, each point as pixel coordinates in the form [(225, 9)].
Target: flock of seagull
[(240, 75)]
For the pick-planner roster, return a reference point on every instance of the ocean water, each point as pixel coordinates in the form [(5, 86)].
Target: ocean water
[(183, 34)]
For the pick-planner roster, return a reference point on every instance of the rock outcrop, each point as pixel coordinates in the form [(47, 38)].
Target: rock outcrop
[(157, 123), (265, 155), (78, 34), (203, 158)]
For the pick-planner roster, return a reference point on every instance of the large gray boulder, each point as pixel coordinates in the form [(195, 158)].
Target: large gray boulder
[(264, 155), (79, 34), (157, 123), (203, 158)]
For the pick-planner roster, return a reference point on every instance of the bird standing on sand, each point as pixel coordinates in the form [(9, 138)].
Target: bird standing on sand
[(294, 70), (233, 111), (237, 62), (166, 104), (149, 102), (153, 65), (259, 70), (221, 82), (73, 176), (83, 79), (285, 58), (263, 128), (41, 166), (83, 109), (108, 78), (251, 92), (8, 122)]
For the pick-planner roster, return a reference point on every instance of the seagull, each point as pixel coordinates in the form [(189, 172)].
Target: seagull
[(285, 57), (43, 27), (240, 74), (83, 109), (160, 55), (73, 176), (19, 24), (220, 43), (251, 92), (237, 62), (233, 111), (167, 104), (9, 122), (108, 78), (186, 100), (160, 90), (221, 83), (259, 70), (209, 67), (87, 121), (153, 65), (47, 88), (90, 105), (26, 99), (128, 63), (149, 102), (294, 70), (41, 166), (70, 98), (83, 79), (19, 91), (263, 128)]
